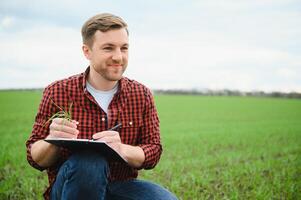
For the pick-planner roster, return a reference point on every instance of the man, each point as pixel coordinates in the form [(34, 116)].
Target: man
[(101, 98)]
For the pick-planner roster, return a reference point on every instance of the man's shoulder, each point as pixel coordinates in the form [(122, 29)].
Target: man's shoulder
[(66, 83), (134, 85)]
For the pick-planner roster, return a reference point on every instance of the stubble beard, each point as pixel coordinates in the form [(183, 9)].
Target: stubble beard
[(112, 75)]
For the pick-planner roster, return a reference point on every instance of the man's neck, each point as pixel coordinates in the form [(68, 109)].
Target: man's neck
[(98, 82)]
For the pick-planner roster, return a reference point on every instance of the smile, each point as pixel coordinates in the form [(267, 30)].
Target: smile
[(115, 65)]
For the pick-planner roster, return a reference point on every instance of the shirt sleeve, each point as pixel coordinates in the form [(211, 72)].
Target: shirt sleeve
[(150, 140), (40, 127)]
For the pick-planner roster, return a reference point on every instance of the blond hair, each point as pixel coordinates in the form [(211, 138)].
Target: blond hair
[(103, 22)]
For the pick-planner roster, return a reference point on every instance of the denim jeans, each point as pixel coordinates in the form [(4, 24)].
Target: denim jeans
[(84, 176)]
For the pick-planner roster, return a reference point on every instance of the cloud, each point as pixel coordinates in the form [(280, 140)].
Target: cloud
[(207, 61), (6, 22), (243, 45), (286, 73), (48, 52)]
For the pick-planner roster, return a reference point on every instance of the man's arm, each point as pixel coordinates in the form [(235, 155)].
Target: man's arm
[(149, 140), (134, 155), (46, 154)]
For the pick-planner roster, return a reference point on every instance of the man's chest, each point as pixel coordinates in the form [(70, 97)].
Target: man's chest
[(93, 119)]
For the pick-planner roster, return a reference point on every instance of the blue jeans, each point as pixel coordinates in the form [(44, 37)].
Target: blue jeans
[(84, 176)]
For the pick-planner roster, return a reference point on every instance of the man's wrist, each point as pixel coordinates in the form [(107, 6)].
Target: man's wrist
[(122, 150), (133, 154)]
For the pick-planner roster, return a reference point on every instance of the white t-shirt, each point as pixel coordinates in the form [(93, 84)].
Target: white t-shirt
[(103, 98)]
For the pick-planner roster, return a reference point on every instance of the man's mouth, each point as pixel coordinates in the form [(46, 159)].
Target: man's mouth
[(115, 65)]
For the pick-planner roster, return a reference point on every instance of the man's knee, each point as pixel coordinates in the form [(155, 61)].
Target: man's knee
[(83, 173), (88, 164)]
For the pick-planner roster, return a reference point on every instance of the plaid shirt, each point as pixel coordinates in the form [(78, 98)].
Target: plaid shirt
[(132, 105)]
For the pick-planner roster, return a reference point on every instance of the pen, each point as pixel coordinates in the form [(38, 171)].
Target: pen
[(114, 128)]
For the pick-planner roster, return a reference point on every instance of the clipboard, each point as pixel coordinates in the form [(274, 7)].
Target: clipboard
[(85, 144)]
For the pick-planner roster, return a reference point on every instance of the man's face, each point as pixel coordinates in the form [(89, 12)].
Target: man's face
[(109, 53)]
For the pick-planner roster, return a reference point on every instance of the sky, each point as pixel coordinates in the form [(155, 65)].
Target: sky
[(247, 45)]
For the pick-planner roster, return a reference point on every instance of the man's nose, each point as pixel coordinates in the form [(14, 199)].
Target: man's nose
[(117, 55)]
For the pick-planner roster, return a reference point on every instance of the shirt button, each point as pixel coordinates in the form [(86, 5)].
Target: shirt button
[(103, 119), (130, 123)]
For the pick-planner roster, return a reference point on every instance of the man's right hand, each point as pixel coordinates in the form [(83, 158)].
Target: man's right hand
[(46, 154), (63, 128)]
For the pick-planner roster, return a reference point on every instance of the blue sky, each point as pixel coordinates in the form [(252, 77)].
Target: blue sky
[(234, 44)]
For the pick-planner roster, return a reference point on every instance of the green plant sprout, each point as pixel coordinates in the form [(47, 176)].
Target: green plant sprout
[(61, 114)]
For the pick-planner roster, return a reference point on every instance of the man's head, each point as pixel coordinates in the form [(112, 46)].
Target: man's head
[(105, 45), (103, 22)]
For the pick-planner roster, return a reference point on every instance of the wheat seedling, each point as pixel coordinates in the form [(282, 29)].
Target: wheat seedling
[(61, 114)]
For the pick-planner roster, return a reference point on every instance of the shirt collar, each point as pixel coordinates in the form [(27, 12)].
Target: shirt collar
[(85, 77)]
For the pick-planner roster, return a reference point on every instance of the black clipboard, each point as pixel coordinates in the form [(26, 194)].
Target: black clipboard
[(84, 144)]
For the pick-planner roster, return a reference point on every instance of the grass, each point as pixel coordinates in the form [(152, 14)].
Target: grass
[(214, 147)]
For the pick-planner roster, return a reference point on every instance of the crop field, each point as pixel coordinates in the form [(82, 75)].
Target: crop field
[(214, 147)]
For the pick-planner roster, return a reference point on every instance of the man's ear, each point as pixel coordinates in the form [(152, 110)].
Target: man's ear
[(86, 51)]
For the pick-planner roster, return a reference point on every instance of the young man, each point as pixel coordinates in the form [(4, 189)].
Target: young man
[(101, 98)]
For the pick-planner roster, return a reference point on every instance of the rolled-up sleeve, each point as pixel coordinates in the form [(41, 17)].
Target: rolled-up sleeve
[(150, 140), (40, 128)]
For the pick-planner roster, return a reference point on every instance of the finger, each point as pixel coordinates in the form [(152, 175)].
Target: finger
[(63, 128), (110, 139), (66, 122), (69, 130), (61, 134), (113, 140), (75, 122), (102, 134)]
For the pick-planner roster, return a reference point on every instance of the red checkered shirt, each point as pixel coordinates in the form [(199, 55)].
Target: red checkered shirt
[(133, 106)]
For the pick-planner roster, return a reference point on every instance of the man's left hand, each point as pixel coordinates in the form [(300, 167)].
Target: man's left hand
[(112, 138)]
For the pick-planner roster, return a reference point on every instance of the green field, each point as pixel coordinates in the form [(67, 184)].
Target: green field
[(214, 147)]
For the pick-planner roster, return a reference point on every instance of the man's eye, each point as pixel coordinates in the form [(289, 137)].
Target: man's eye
[(124, 48), (108, 48)]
